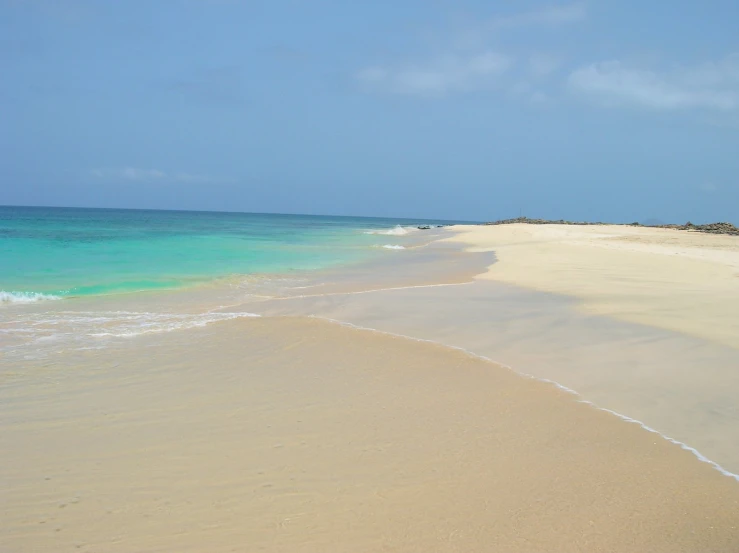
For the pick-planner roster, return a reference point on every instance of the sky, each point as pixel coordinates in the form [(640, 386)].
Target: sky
[(611, 110)]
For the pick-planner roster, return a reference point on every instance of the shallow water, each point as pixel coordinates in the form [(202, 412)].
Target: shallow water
[(63, 252), (123, 273)]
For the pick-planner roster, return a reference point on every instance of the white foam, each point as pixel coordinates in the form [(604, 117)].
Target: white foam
[(396, 231), (25, 297), (137, 324), (682, 445), (43, 334), (393, 247)]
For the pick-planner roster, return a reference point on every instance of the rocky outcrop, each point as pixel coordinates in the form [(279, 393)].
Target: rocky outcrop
[(540, 222), (712, 228)]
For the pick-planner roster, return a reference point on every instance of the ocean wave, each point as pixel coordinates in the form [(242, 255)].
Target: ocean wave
[(396, 231), (40, 335), (135, 324), (393, 247), (25, 297)]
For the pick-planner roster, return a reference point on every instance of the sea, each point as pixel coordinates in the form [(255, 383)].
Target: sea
[(71, 277)]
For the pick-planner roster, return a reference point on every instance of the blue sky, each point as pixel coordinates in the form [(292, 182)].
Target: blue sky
[(608, 110)]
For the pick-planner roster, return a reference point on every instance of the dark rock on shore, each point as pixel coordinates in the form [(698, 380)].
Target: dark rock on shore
[(540, 222), (712, 228)]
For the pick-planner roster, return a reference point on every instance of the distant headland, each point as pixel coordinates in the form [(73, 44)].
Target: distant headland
[(712, 228)]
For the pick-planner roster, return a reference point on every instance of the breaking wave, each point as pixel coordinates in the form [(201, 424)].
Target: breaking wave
[(40, 335), (395, 231), (25, 297)]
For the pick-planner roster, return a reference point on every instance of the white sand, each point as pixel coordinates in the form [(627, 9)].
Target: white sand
[(284, 434), (682, 281), (288, 435)]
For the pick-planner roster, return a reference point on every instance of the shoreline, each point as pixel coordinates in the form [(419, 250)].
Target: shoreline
[(549, 337), (698, 455), (427, 328), (384, 443)]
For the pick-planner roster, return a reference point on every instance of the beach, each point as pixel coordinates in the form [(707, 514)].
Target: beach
[(507, 388), (676, 280), (369, 277), (285, 435), (530, 308)]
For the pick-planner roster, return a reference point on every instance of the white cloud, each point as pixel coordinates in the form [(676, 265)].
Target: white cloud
[(477, 35), (712, 85), (708, 187), (469, 63), (542, 65), (438, 77), (551, 16), (188, 177), (524, 90), (149, 175)]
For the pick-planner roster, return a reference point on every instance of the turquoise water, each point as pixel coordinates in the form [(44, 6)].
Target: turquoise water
[(66, 252)]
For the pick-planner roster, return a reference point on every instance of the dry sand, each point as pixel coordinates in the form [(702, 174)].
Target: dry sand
[(287, 435), (682, 281)]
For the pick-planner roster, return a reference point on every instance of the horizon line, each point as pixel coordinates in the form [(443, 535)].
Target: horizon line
[(287, 214)]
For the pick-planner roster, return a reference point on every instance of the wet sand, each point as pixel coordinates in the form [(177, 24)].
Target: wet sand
[(290, 434), (682, 385)]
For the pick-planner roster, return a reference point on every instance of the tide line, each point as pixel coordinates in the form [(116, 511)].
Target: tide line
[(469, 353), (357, 292)]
